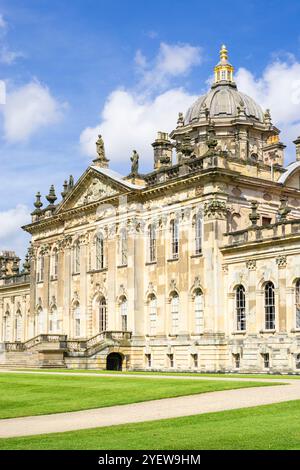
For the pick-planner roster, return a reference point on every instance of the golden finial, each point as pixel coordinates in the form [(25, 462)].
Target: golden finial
[(223, 53)]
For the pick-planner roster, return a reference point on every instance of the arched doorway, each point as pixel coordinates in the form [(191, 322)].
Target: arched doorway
[(114, 361)]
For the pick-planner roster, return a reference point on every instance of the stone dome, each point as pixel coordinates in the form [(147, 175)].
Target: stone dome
[(222, 101)]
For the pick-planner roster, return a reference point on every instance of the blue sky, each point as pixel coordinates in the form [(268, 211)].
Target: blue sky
[(92, 65)]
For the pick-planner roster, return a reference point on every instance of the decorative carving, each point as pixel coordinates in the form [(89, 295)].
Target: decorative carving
[(215, 207), (96, 191), (251, 264), (225, 268), (281, 261), (173, 285)]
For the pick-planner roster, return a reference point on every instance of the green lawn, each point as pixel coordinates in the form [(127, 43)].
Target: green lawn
[(264, 427), (185, 374), (34, 394)]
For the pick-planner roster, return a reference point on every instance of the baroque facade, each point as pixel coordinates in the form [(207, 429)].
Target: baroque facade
[(193, 266)]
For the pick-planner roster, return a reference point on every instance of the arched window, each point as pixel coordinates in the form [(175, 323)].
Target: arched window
[(53, 320), (174, 313), (151, 243), (174, 227), (123, 248), (77, 320), (99, 251), (297, 302), (199, 317), (240, 306), (198, 234), (123, 311), (40, 268), (152, 310), (269, 306), (76, 258), (102, 315), (18, 326), (54, 264)]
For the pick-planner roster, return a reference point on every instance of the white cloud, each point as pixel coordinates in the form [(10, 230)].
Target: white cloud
[(279, 90), (12, 236), (28, 109), (172, 60), (8, 57), (130, 121)]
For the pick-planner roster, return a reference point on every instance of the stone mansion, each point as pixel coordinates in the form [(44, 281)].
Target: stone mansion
[(193, 266)]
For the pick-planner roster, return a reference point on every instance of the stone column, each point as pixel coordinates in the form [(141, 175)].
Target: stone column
[(281, 263), (215, 213)]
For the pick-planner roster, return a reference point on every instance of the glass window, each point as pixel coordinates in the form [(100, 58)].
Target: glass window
[(198, 235), (76, 259), (174, 313), (102, 315), (174, 239), (99, 251), (199, 317), (152, 243), (240, 308), (152, 315), (269, 306)]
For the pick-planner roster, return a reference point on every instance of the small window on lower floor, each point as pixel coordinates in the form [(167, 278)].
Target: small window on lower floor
[(298, 361), (171, 360), (195, 360), (266, 360), (148, 360), (236, 360)]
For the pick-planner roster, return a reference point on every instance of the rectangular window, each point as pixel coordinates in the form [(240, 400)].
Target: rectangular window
[(266, 221), (171, 360), (175, 239), (266, 360), (152, 243), (195, 360), (77, 327), (198, 236), (236, 360), (148, 360)]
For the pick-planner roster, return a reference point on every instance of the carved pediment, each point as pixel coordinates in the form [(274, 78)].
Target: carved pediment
[(96, 190), (91, 187)]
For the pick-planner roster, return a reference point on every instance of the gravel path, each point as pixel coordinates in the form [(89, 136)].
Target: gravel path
[(151, 410)]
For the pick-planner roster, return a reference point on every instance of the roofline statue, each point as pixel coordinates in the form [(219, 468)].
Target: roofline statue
[(101, 159)]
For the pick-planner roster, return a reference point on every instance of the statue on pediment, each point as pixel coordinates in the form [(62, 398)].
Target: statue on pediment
[(101, 159)]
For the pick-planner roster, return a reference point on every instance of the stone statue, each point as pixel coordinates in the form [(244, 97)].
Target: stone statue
[(134, 163), (101, 159), (100, 148)]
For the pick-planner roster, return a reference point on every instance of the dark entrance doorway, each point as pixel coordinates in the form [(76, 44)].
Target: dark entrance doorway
[(114, 361)]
